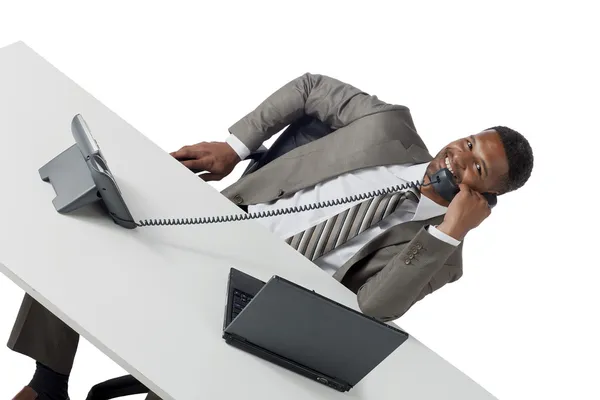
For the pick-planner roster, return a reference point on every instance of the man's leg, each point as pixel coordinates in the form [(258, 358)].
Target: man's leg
[(41, 335)]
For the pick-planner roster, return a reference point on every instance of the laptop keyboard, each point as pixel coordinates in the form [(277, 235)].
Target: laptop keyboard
[(240, 301)]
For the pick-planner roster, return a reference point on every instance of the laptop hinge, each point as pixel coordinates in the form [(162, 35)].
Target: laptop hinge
[(329, 381), (227, 335)]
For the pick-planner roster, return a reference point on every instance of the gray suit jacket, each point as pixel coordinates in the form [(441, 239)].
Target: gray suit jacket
[(399, 267)]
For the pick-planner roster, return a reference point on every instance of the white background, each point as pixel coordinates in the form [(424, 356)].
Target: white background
[(523, 321)]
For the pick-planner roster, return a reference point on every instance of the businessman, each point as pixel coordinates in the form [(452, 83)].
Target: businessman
[(391, 250)]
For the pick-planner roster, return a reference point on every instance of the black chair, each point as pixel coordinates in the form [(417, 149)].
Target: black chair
[(125, 385), (299, 133)]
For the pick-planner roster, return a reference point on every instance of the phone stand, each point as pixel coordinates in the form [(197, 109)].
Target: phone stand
[(80, 176), (79, 182), (70, 176)]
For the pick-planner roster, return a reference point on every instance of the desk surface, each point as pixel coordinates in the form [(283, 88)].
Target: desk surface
[(152, 299)]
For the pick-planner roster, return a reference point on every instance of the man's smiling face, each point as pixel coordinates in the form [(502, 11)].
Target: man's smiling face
[(478, 161)]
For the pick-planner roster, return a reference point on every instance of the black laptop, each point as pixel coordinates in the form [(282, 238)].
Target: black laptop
[(305, 332)]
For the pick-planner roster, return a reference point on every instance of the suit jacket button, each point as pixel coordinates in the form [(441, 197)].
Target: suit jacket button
[(407, 261), (411, 256), (415, 251), (238, 199), (419, 246)]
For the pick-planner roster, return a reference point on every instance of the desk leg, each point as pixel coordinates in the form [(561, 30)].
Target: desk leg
[(152, 396)]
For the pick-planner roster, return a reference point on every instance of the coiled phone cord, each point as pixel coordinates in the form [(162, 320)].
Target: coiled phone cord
[(273, 213)]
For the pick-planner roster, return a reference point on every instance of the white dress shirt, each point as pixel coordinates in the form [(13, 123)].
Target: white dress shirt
[(342, 186)]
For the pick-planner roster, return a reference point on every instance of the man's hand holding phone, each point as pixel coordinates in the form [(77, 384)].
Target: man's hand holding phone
[(467, 211), (216, 159)]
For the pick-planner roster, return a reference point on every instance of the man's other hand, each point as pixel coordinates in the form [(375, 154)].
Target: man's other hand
[(215, 159), (467, 210)]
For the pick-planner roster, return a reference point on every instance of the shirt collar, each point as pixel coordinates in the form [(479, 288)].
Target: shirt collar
[(426, 207)]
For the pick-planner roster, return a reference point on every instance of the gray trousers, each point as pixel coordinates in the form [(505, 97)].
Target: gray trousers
[(41, 335)]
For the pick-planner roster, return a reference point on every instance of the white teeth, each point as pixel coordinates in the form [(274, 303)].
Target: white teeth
[(448, 165)]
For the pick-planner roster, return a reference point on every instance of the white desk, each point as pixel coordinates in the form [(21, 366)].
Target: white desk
[(152, 299)]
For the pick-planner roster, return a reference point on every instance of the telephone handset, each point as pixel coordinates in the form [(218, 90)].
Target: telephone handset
[(445, 185), (442, 181)]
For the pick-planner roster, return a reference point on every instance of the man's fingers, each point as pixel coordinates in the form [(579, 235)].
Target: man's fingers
[(191, 152), (483, 200), (210, 177), (182, 154), (464, 188), (483, 203), (188, 163), (199, 165), (478, 195)]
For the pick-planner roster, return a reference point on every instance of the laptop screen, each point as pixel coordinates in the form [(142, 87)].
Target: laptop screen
[(312, 331)]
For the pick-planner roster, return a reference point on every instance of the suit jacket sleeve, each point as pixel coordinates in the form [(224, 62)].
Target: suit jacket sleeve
[(331, 101), (410, 275)]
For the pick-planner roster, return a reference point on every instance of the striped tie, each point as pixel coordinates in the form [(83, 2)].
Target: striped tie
[(335, 231)]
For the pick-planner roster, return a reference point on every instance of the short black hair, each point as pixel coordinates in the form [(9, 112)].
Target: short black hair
[(520, 158)]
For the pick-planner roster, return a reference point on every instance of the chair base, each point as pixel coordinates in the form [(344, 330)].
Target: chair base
[(117, 387)]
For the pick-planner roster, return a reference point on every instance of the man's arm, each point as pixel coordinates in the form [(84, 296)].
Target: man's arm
[(409, 276), (414, 272), (333, 102), (327, 99)]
